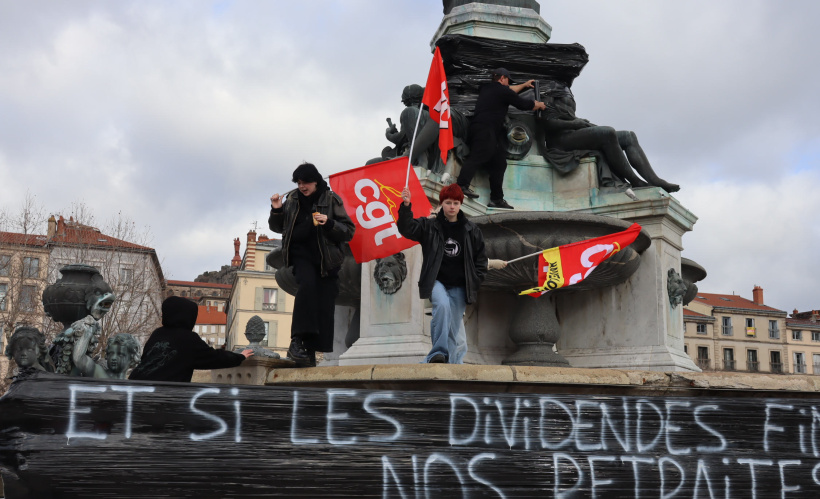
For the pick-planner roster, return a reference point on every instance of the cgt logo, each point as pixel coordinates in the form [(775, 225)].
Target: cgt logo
[(378, 208), (443, 107), (592, 256)]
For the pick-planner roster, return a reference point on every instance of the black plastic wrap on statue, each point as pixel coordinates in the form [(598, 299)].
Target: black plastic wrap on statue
[(80, 438), (469, 61)]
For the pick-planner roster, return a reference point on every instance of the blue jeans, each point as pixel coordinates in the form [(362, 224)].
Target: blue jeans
[(447, 326)]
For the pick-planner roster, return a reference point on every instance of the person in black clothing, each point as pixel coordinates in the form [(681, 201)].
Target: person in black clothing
[(453, 266), (314, 228), (175, 350), (487, 133)]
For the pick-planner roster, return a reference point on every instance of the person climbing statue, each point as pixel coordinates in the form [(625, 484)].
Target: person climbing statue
[(487, 133)]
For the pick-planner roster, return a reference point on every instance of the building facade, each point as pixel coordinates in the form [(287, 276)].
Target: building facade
[(28, 263), (211, 324), (732, 333), (255, 292), (24, 261), (132, 270), (199, 291), (803, 331)]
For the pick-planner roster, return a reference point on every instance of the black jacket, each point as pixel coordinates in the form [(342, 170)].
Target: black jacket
[(430, 234), (174, 350), (338, 230), (494, 100)]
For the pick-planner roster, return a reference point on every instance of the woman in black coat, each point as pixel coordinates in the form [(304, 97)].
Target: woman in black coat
[(314, 228)]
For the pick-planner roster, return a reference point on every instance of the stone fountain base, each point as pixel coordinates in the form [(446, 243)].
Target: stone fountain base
[(629, 325)]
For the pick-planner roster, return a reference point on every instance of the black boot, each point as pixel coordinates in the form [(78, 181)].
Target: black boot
[(297, 351), (468, 192)]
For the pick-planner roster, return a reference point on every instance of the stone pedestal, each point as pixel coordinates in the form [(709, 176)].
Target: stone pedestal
[(623, 324), (253, 371), (633, 325), (393, 327), (494, 21)]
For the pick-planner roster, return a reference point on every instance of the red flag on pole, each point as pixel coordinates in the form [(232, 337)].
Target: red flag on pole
[(572, 263), (437, 98), (371, 196)]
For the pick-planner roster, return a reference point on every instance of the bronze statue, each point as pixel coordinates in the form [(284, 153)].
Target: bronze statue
[(27, 346), (122, 352), (675, 287), (425, 150), (390, 273), (569, 138), (81, 294)]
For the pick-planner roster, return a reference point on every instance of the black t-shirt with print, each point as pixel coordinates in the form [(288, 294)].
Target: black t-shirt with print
[(451, 272)]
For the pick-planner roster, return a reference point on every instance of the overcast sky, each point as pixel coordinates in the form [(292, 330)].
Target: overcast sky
[(187, 115)]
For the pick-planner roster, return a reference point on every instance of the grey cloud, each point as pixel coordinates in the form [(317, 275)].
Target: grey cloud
[(191, 114)]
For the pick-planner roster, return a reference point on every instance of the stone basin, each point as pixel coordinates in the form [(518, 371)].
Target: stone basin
[(691, 273), (534, 327), (513, 234)]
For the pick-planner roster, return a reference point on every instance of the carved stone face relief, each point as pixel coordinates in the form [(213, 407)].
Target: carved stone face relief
[(675, 287), (390, 273)]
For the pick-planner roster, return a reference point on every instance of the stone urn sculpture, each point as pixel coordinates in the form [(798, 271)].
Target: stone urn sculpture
[(534, 327), (80, 292)]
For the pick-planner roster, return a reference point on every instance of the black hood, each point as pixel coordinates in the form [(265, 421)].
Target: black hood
[(179, 313)]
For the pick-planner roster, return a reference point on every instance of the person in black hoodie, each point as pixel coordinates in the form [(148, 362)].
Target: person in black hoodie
[(314, 228), (175, 350)]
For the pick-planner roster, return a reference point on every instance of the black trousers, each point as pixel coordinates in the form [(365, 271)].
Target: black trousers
[(314, 306), (487, 151)]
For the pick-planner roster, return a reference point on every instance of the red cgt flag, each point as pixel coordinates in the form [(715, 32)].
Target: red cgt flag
[(437, 98), (371, 196), (572, 263)]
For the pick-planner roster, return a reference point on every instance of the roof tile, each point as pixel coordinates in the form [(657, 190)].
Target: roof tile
[(732, 301)]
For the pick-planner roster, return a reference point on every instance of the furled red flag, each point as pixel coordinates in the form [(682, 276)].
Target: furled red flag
[(437, 98), (371, 196), (572, 263)]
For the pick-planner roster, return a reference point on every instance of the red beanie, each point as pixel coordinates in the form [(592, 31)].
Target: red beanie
[(452, 191)]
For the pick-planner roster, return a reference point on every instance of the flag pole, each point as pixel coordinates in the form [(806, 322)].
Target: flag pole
[(525, 256), (413, 143)]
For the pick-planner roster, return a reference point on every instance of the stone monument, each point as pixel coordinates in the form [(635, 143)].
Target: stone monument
[(631, 321)]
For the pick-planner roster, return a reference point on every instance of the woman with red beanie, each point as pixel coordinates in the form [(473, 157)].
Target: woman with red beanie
[(453, 267)]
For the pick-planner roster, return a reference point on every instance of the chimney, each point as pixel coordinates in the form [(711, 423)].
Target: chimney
[(52, 226), (757, 295), (61, 225), (237, 260), (250, 251)]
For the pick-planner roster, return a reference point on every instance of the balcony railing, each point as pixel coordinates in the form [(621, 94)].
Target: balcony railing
[(777, 367), (727, 330), (800, 368), (753, 366), (729, 364), (269, 306), (774, 334), (703, 364)]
